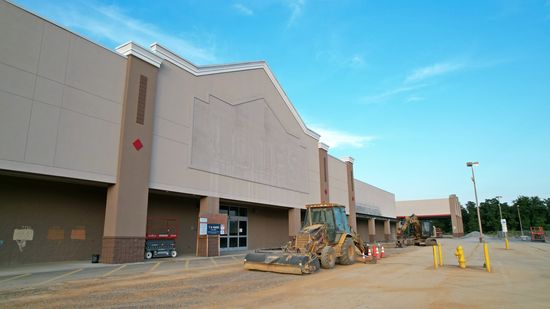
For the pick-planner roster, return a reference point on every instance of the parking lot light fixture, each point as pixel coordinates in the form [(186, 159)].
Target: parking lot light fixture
[(471, 165)]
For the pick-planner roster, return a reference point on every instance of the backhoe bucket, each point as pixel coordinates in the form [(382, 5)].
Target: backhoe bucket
[(281, 262)]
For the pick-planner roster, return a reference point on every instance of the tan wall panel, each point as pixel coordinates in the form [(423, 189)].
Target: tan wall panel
[(20, 34), (179, 92), (185, 210), (423, 207), (374, 201), (338, 181), (55, 209), (80, 82), (267, 227)]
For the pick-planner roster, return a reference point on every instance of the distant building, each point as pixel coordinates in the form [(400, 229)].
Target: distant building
[(447, 208)]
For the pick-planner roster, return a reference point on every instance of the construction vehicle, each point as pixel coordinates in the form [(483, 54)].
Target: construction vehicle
[(324, 240), (538, 234), (413, 231)]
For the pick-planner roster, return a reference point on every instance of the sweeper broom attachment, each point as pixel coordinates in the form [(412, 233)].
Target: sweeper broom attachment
[(281, 262)]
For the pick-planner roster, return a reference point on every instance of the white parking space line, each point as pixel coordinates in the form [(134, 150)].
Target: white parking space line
[(186, 264), (61, 276), (213, 261), (235, 258), (14, 278), (114, 270), (154, 267)]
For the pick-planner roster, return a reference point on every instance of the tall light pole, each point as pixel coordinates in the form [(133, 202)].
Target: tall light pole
[(520, 225), (472, 164)]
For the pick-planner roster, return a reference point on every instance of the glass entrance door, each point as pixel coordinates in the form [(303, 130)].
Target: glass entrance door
[(236, 233)]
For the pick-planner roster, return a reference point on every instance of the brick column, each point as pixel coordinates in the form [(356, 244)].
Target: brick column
[(372, 230), (323, 172), (294, 222), (126, 209), (387, 230), (352, 218)]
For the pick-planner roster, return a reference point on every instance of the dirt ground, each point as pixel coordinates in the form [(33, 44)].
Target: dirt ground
[(520, 278)]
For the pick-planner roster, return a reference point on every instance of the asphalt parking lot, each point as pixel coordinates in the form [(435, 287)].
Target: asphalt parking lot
[(406, 277)]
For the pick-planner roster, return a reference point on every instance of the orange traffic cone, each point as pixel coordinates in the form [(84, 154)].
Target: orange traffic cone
[(376, 253), (382, 252)]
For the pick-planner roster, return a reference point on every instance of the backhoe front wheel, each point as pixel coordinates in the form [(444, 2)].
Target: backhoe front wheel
[(348, 252), (328, 257)]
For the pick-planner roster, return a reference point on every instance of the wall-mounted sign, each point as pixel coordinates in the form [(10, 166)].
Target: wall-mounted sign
[(213, 229), (203, 228)]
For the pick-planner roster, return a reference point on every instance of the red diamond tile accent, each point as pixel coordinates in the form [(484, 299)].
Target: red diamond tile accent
[(137, 144)]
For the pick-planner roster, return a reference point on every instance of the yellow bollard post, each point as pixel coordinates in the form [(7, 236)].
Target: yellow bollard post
[(487, 259), (506, 242), (460, 255), (440, 255), (435, 256)]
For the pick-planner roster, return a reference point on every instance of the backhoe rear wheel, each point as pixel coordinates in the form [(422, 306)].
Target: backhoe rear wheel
[(348, 252), (328, 257)]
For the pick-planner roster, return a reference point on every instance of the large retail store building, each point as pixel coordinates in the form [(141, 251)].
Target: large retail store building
[(94, 141)]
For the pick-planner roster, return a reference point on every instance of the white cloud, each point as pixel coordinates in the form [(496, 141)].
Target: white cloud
[(241, 8), (414, 98), (379, 98), (336, 139), (112, 23), (296, 10), (433, 70), (357, 60)]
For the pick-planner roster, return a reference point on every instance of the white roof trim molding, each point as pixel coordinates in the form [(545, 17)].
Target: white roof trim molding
[(323, 146), (131, 48), (348, 159), (168, 55)]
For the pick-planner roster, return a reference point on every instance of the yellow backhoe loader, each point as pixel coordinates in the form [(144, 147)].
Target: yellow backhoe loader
[(413, 231), (324, 240)]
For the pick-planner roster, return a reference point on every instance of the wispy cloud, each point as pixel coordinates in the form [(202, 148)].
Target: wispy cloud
[(434, 70), (241, 8), (357, 60), (296, 9), (336, 57), (112, 23), (339, 139), (384, 96), (414, 98)]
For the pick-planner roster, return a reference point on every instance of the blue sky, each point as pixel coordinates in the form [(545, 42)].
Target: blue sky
[(410, 89)]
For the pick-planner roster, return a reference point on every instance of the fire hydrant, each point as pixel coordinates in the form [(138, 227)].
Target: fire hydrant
[(460, 255)]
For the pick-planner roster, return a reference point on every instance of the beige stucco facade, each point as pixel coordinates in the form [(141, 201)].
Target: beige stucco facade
[(49, 86), (216, 139)]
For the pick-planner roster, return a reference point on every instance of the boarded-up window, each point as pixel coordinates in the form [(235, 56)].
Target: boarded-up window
[(141, 99), (56, 233), (78, 233)]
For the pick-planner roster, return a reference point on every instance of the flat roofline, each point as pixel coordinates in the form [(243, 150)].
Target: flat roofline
[(426, 199), (427, 216)]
